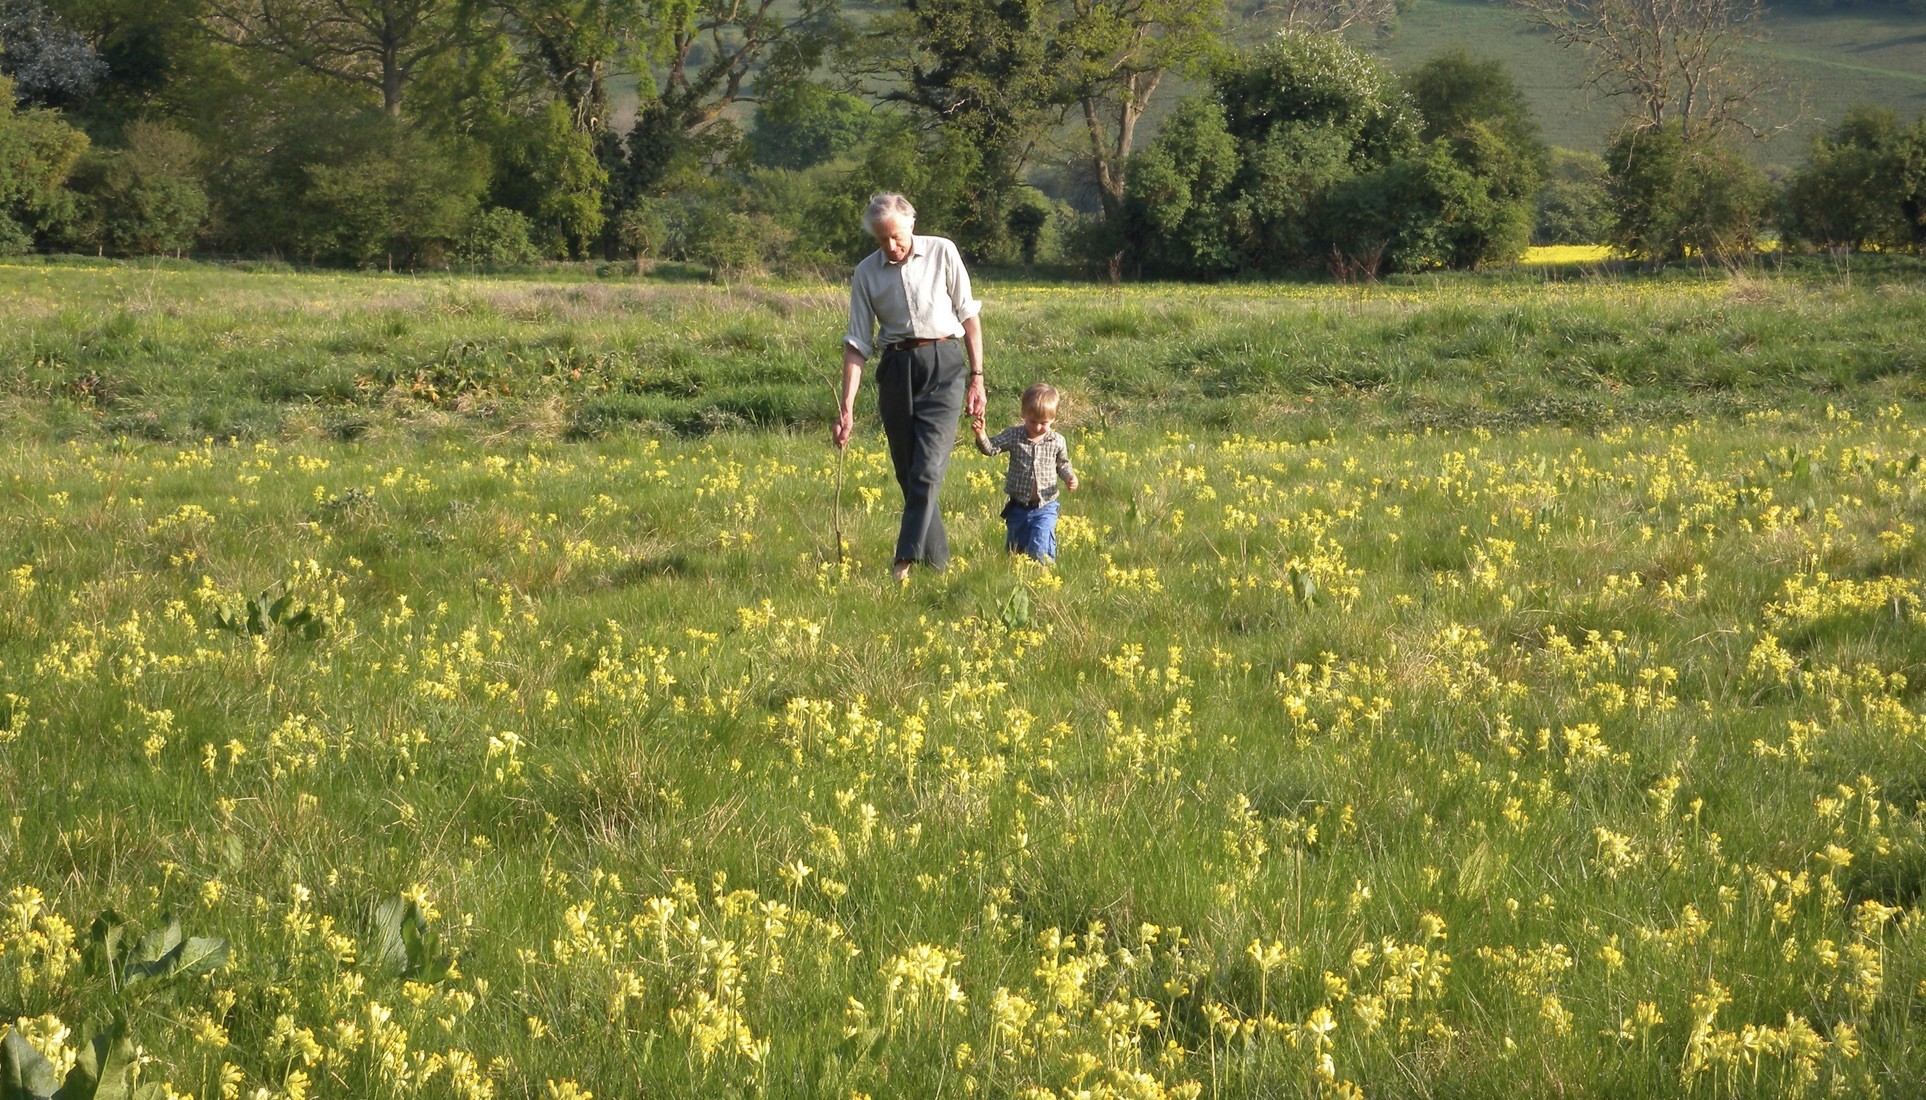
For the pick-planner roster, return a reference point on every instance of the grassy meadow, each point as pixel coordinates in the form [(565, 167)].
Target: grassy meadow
[(452, 688)]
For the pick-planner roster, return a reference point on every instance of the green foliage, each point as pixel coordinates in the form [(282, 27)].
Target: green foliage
[(406, 944), (1416, 214), (25, 1073), (806, 125), (267, 611), (549, 170), (1318, 80), (143, 199), (1482, 116), (495, 237), (161, 953), (1849, 192), (37, 152), (1175, 203), (396, 197), (1573, 206), (1676, 198), (1309, 153), (979, 72)]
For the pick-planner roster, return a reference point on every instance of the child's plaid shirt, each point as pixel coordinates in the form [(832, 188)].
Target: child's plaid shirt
[(1035, 464)]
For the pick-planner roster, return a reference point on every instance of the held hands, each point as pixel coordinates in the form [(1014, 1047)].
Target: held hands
[(975, 402), (976, 424)]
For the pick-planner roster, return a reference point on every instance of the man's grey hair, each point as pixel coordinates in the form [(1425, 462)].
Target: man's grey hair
[(889, 204)]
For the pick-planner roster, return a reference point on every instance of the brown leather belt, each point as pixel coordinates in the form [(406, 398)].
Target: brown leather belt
[(911, 345)]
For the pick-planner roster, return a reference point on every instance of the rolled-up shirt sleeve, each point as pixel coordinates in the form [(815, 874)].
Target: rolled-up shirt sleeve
[(862, 317), (962, 303)]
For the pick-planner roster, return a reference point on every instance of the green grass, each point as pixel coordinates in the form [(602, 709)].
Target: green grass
[(1537, 710), (179, 352)]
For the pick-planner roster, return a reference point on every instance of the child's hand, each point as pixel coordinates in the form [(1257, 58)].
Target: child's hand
[(976, 423), (1071, 481)]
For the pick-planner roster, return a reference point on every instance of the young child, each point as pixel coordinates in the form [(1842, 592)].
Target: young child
[(1038, 458)]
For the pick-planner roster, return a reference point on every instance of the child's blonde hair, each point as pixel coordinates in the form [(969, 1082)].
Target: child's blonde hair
[(1040, 401)]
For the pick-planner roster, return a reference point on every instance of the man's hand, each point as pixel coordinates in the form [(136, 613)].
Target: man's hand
[(976, 404), (845, 424)]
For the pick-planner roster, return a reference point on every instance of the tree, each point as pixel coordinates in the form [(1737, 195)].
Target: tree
[(37, 151), (1319, 80), (1332, 16), (575, 42), (1244, 183), (396, 196), (979, 72), (1847, 194), (1479, 113), (1175, 204), (49, 63), (714, 55), (718, 53), (1417, 213), (376, 44), (807, 124), (1909, 153), (1113, 55), (1682, 62), (547, 168)]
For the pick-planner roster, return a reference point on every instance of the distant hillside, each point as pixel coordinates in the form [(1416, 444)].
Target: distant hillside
[(1839, 58)]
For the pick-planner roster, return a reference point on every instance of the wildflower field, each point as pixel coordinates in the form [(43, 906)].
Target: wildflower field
[(1535, 708)]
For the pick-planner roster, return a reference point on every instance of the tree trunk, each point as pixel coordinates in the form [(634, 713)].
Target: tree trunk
[(392, 73)]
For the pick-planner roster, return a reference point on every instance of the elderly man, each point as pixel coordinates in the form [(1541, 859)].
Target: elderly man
[(911, 297)]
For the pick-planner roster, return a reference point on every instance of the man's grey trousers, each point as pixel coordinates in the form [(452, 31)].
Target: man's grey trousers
[(920, 394)]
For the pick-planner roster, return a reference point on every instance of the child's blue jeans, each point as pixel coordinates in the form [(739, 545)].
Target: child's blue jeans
[(1032, 529)]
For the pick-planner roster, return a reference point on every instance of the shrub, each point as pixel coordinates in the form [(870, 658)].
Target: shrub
[(37, 153), (641, 232), (495, 237), (1573, 206), (1847, 194), (144, 199), (1676, 198), (1416, 214)]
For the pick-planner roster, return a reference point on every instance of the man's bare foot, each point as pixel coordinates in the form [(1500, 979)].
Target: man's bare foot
[(901, 571)]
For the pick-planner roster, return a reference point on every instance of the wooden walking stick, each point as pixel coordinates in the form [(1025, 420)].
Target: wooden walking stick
[(841, 453)]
